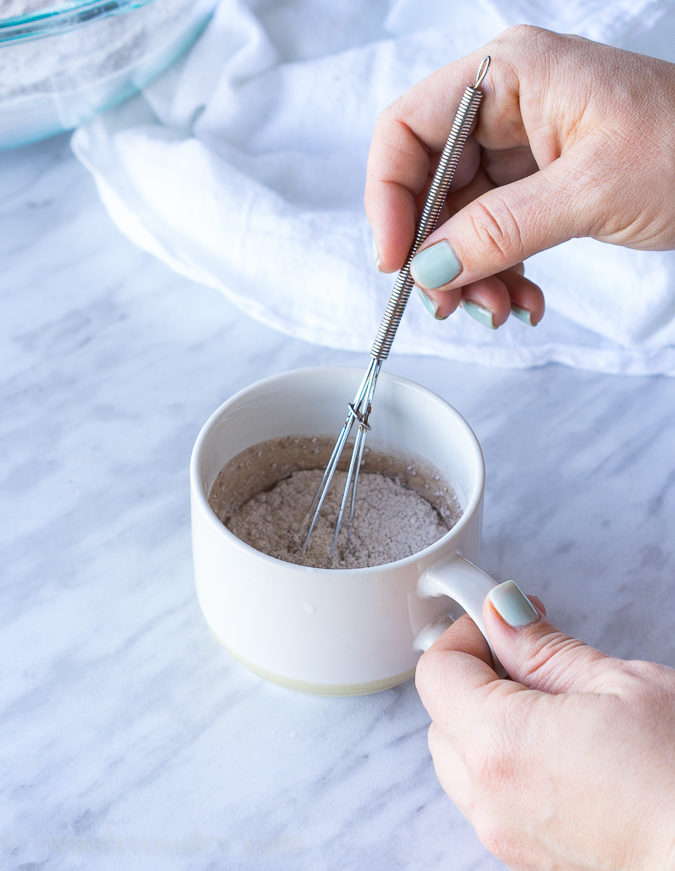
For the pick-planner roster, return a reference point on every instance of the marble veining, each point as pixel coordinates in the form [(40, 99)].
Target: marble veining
[(129, 738)]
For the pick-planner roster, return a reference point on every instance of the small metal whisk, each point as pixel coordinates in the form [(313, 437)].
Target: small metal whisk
[(360, 408)]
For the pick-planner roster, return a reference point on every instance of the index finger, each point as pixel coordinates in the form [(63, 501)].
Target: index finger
[(406, 134), (455, 677)]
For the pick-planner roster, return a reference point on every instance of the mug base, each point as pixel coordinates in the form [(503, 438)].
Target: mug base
[(319, 689)]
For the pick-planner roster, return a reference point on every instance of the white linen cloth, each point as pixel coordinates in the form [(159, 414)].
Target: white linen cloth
[(243, 166)]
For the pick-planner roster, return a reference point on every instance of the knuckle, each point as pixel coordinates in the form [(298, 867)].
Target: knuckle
[(495, 773), (648, 671), (500, 839), (425, 673), (388, 114), (495, 838), (653, 683), (524, 36), (520, 32), (434, 736), (554, 663), (490, 760), (497, 229)]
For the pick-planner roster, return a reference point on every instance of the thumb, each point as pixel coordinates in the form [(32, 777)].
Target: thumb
[(506, 225), (532, 650)]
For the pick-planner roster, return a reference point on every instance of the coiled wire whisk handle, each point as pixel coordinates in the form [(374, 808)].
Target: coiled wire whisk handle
[(461, 126)]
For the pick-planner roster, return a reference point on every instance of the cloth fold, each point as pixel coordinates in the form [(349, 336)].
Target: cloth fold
[(243, 166)]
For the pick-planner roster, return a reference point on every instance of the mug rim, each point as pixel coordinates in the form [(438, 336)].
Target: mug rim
[(197, 491)]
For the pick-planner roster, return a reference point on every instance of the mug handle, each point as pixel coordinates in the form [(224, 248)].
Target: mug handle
[(467, 585)]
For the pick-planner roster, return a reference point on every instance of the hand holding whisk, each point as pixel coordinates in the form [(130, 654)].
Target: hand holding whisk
[(360, 408)]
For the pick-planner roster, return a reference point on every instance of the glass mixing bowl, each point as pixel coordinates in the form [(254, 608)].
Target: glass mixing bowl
[(61, 61)]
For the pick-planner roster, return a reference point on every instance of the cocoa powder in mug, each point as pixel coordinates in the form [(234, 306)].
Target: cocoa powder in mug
[(263, 496)]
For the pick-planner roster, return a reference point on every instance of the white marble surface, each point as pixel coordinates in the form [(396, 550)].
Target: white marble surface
[(129, 738)]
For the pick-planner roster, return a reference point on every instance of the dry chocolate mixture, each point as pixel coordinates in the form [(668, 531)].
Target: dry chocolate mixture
[(264, 493)]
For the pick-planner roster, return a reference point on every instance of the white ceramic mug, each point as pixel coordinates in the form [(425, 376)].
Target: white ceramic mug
[(337, 631)]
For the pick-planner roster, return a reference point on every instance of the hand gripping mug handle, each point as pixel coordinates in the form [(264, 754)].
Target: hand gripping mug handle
[(467, 585)]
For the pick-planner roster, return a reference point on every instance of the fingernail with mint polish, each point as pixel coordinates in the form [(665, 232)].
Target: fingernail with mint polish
[(523, 315), (512, 605), (435, 265), (430, 305), (479, 313)]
